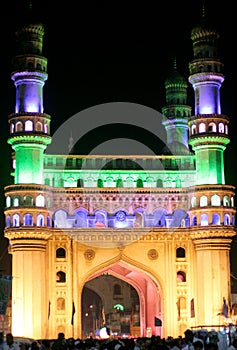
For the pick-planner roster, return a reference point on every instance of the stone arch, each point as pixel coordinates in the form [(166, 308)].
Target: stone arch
[(203, 201), (16, 201), (81, 217), (178, 216), (159, 217), (216, 219), (215, 200), (19, 126), (40, 220), (27, 220), (101, 218), (132, 272), (28, 125), (204, 219), (202, 127), (40, 201), (212, 127), (28, 200), (60, 219), (139, 214), (221, 128), (38, 126)]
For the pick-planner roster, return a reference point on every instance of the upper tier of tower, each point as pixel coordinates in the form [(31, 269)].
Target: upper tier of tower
[(208, 128), (29, 68), (29, 125), (29, 39), (176, 114), (206, 69)]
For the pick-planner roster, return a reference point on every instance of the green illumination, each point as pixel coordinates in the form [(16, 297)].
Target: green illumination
[(119, 307), (210, 165), (29, 165)]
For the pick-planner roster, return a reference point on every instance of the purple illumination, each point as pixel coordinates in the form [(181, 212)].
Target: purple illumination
[(209, 101), (29, 95)]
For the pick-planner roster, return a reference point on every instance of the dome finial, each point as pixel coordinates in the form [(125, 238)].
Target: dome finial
[(203, 11), (29, 8)]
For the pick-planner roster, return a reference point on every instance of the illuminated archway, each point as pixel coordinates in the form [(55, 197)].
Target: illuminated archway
[(148, 290)]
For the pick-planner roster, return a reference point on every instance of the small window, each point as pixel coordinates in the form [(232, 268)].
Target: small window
[(19, 126), (181, 276), (139, 183), (8, 201), (180, 252), (226, 219), (16, 202), (117, 289), (216, 219), (28, 200), (27, 220), (194, 222), (202, 127), (60, 277), (48, 221), (16, 220), (204, 220), (60, 253), (38, 126), (215, 200), (29, 125), (159, 183), (203, 201), (40, 201), (8, 221), (40, 220), (100, 183)]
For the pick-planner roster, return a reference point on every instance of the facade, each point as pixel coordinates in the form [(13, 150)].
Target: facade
[(155, 227)]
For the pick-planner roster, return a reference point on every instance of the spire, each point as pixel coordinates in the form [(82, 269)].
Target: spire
[(30, 6), (203, 11), (29, 14)]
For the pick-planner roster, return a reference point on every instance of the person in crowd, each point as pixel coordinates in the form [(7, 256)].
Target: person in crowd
[(198, 345), (10, 343), (174, 344), (211, 346), (189, 340), (34, 346), (233, 346), (60, 343), (1, 341)]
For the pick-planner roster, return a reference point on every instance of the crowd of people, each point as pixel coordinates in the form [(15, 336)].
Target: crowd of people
[(203, 340)]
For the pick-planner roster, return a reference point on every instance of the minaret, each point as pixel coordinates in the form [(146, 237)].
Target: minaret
[(176, 114), (211, 216), (29, 126), (208, 128), (28, 218)]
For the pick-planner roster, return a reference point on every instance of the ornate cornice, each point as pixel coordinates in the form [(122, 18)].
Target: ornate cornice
[(28, 233), (112, 237)]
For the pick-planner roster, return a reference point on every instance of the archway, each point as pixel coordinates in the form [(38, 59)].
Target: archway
[(120, 280)]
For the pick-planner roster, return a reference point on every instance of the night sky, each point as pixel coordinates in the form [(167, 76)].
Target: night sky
[(114, 51)]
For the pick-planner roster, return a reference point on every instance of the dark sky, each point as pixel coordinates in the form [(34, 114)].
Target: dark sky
[(109, 51)]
